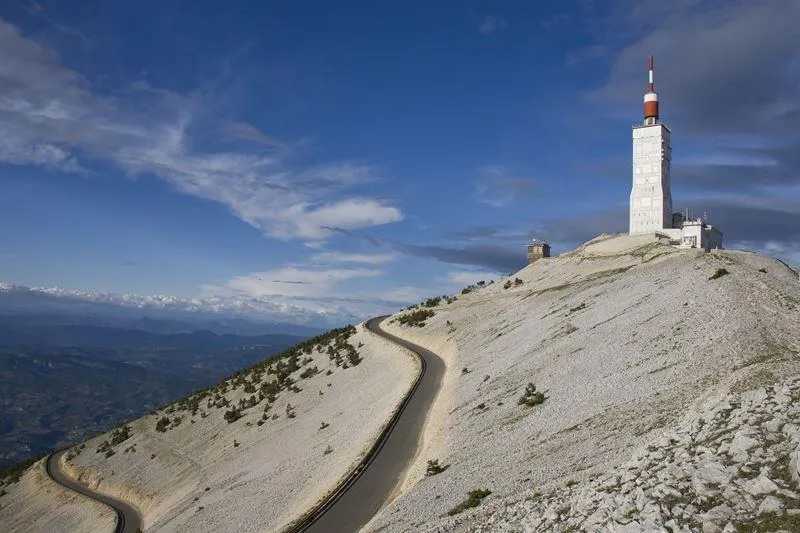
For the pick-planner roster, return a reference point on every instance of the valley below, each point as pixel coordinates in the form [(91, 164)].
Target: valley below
[(61, 384)]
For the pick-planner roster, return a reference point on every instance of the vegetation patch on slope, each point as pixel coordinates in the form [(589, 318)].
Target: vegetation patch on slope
[(263, 381)]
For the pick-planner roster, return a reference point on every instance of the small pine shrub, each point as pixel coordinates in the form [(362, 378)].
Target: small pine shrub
[(433, 302), (416, 318), (435, 468), (120, 434), (353, 358), (328, 449), (474, 499), (719, 273), (323, 426), (309, 372), (531, 396), (233, 415)]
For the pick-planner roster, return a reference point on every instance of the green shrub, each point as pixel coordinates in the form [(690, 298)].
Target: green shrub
[(309, 372), (162, 424), (11, 474), (120, 434), (719, 273), (474, 499), (416, 318), (531, 396), (233, 415), (435, 468), (352, 355), (433, 302)]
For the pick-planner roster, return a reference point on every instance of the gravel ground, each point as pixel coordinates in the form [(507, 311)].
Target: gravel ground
[(624, 336)]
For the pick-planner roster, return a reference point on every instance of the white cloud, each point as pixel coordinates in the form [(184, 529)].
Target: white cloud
[(52, 117), (342, 257), (407, 294), (491, 24), (311, 221), (463, 278), (498, 187), (246, 132), (787, 251), (293, 281)]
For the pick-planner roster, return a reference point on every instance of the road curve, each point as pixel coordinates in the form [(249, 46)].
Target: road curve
[(128, 518), (362, 494)]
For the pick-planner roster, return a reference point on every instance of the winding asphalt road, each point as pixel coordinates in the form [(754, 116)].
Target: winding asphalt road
[(374, 481), (366, 490), (128, 518)]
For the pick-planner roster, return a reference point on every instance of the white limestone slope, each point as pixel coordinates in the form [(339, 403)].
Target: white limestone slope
[(36, 504), (629, 339), (206, 474)]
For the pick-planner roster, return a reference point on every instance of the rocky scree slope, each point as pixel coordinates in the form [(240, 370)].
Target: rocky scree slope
[(259, 449), (645, 354)]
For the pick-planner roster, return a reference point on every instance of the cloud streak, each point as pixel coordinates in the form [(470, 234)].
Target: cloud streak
[(498, 188), (492, 24), (50, 116)]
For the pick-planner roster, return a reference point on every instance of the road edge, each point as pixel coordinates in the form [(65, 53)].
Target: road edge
[(315, 513), (99, 497)]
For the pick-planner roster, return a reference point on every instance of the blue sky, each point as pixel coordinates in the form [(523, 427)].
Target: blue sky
[(338, 160)]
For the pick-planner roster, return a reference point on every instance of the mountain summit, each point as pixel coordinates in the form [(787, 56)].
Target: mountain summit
[(625, 385)]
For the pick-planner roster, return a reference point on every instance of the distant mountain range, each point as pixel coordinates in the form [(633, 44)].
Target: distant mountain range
[(232, 314), (18, 322)]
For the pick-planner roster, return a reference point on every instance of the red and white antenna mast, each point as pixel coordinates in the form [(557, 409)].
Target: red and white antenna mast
[(651, 99)]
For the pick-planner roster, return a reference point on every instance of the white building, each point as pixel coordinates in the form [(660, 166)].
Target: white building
[(651, 200)]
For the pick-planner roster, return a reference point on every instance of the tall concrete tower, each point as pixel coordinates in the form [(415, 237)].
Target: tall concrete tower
[(651, 200)]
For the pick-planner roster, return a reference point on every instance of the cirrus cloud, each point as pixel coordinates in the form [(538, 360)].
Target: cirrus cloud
[(52, 116)]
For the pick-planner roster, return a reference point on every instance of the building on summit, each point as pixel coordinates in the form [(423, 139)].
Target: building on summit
[(651, 200), (537, 250)]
